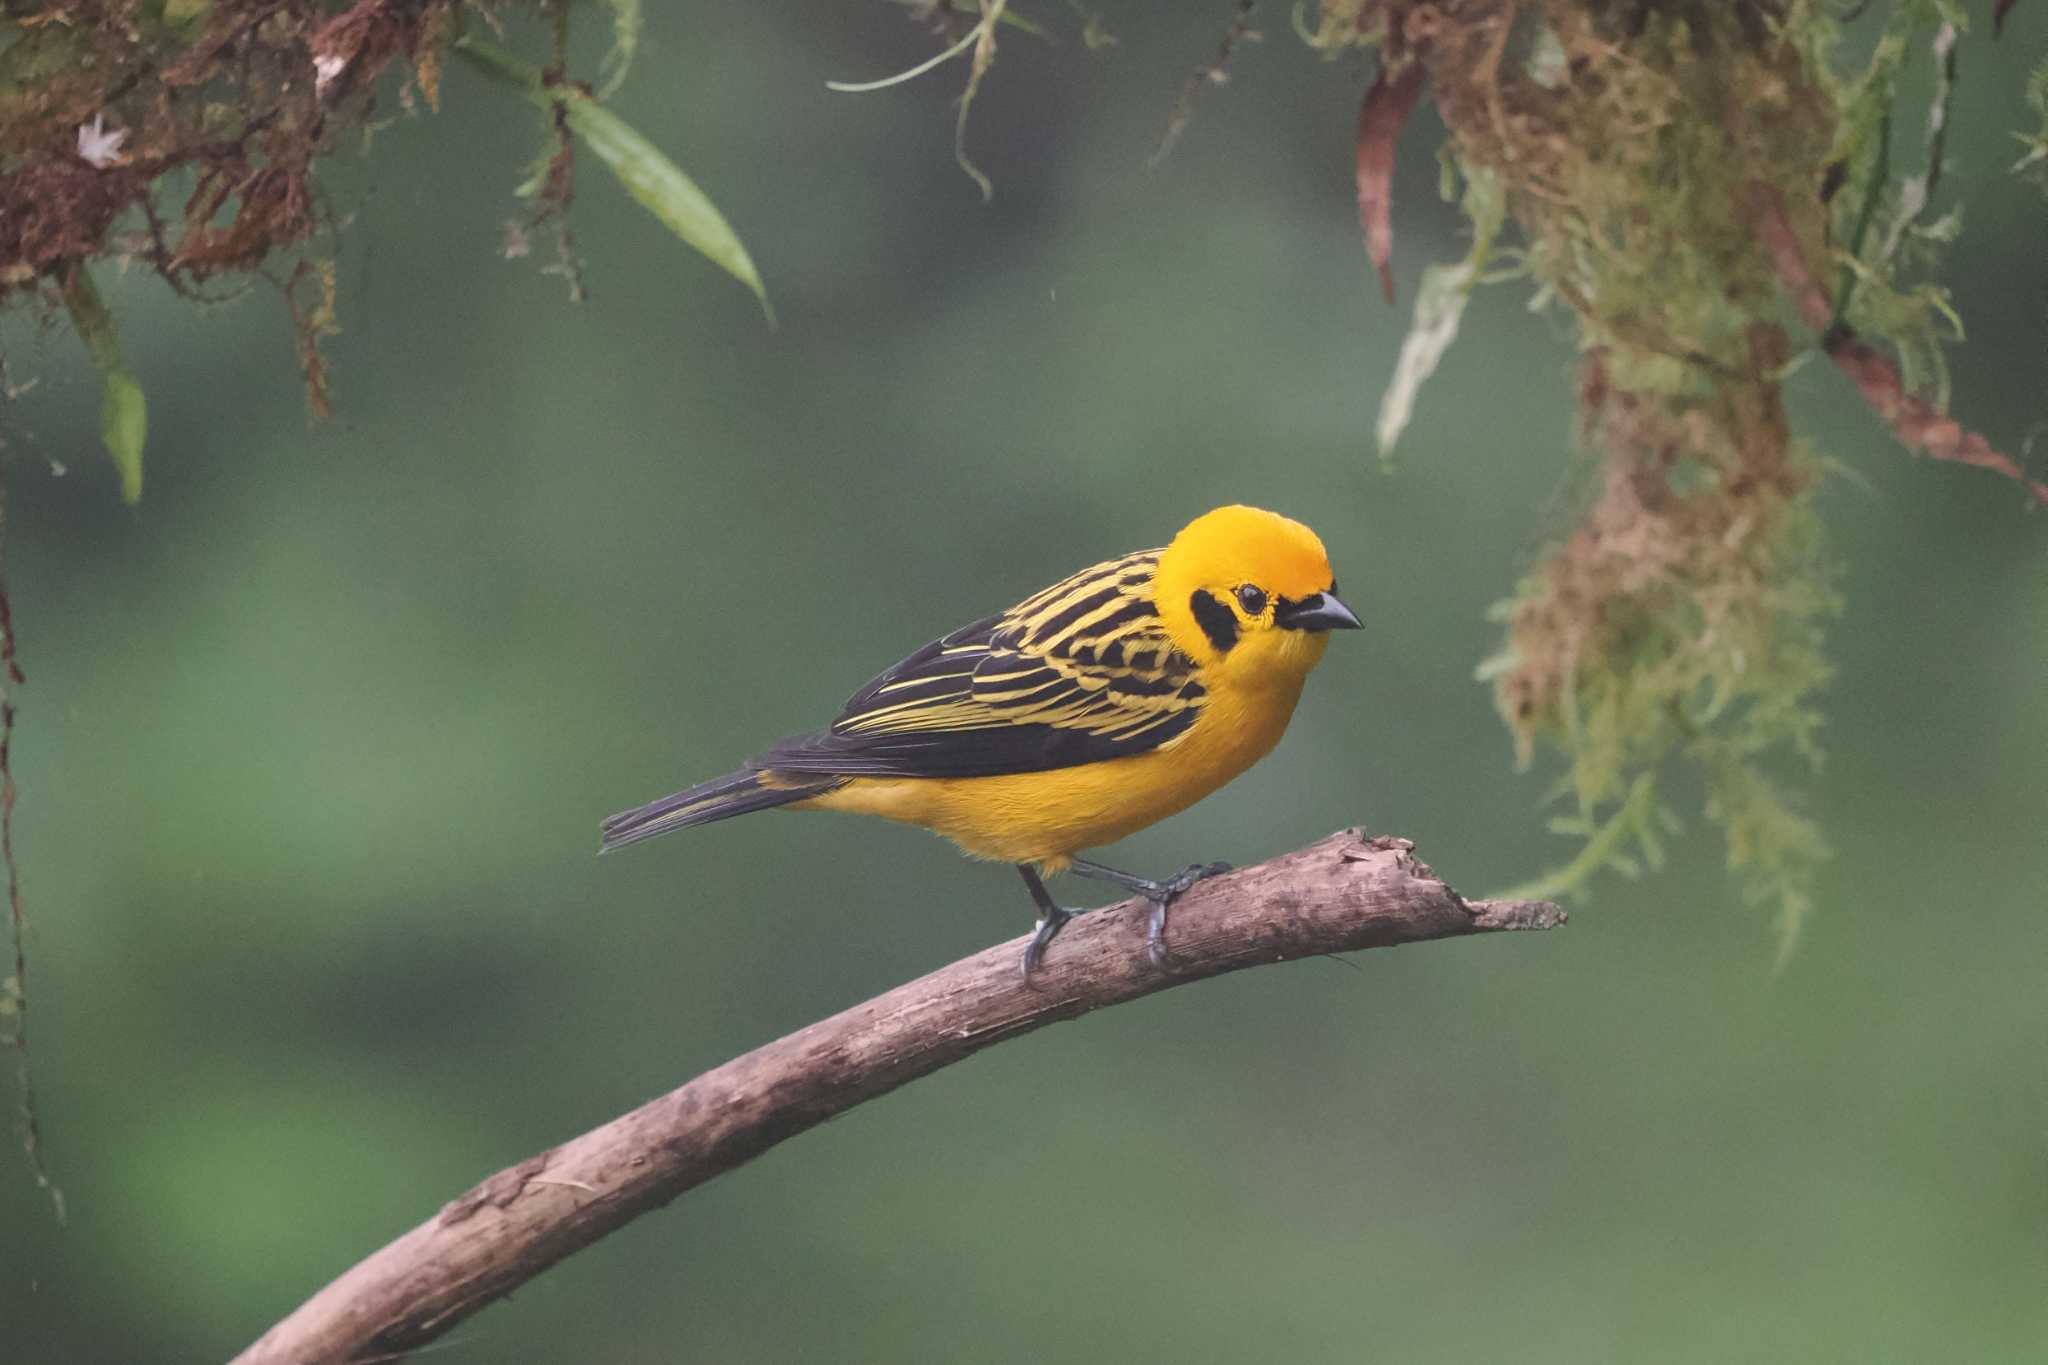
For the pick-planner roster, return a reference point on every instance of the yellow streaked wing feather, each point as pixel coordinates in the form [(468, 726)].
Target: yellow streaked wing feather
[(1077, 673)]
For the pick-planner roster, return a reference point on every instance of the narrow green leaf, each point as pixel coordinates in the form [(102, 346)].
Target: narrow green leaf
[(124, 415), (124, 423), (648, 175)]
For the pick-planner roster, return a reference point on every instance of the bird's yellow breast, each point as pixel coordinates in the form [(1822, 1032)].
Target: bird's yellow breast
[(1047, 817)]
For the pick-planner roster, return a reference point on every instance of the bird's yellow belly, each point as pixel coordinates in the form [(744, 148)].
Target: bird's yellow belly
[(1047, 817)]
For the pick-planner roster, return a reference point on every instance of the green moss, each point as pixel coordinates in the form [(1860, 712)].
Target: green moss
[(1680, 623)]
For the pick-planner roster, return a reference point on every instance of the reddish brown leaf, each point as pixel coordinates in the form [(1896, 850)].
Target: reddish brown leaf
[(1915, 421), (1998, 17), (1387, 106)]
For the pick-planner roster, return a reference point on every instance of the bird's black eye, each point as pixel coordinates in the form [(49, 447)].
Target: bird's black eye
[(1252, 598)]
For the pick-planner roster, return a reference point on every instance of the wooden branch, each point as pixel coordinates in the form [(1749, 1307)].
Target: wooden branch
[(1343, 893)]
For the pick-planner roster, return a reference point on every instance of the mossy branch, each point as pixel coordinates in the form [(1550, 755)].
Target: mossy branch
[(1341, 894), (190, 137)]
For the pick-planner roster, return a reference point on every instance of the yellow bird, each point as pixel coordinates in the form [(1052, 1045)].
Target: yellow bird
[(1112, 699)]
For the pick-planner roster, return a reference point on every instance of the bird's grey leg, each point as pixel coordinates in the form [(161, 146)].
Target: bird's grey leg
[(1160, 893), (1051, 918)]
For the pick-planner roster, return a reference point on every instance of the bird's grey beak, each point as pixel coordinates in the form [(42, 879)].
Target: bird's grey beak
[(1317, 611)]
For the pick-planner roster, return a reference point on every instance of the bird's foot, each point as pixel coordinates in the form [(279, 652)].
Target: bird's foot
[(1052, 919), (1189, 875), (1160, 893)]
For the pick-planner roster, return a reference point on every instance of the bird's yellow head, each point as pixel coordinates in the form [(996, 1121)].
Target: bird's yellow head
[(1249, 593)]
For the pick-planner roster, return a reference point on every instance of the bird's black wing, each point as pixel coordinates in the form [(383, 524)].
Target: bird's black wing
[(1076, 674)]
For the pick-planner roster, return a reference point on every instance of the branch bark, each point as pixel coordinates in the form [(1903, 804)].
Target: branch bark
[(1340, 894)]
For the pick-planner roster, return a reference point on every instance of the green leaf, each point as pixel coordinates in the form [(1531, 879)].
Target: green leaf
[(124, 423), (124, 415), (648, 175)]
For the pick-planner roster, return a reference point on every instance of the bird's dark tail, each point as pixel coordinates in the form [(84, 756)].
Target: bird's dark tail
[(749, 789)]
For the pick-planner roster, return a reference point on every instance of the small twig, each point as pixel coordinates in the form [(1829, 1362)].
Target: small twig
[(1215, 73), (16, 994), (1343, 893), (984, 56), (982, 38), (988, 22)]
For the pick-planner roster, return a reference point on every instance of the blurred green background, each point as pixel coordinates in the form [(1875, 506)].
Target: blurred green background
[(315, 742)]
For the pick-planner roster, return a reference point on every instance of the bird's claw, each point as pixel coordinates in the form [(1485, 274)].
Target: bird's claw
[(1155, 937), (1049, 925), (1161, 895), (1189, 875)]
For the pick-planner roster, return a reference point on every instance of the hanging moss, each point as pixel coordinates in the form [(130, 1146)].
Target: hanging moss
[(1640, 145), (187, 135), (184, 135)]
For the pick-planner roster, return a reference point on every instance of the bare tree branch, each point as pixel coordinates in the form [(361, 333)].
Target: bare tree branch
[(1343, 893)]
